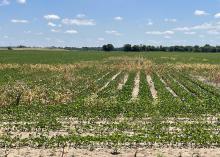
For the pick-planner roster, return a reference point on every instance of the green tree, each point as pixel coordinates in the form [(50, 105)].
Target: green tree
[(136, 48), (127, 47), (10, 48), (196, 48), (108, 47), (143, 48)]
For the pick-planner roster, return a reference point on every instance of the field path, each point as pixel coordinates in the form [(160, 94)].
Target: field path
[(181, 85), (168, 88), (103, 76), (120, 86), (112, 79), (152, 87), (135, 91)]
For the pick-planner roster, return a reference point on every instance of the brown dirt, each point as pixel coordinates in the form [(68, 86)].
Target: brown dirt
[(120, 86), (152, 87), (135, 91)]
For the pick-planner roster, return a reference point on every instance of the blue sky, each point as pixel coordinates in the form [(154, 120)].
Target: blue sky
[(97, 22)]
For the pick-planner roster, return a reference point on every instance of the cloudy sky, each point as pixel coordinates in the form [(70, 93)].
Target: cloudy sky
[(96, 22)]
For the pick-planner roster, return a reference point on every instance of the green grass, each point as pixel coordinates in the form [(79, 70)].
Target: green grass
[(67, 57), (49, 57)]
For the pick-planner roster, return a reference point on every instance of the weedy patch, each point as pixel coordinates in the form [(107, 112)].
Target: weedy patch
[(86, 106)]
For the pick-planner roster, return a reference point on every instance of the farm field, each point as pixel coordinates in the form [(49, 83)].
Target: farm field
[(65, 103)]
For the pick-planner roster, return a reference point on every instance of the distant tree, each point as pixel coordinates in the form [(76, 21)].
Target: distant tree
[(127, 47), (151, 48), (188, 48), (143, 48), (161, 48), (172, 48), (148, 48), (136, 48), (196, 48), (10, 48), (21, 46), (104, 48), (85, 48), (206, 48), (217, 48), (108, 47)]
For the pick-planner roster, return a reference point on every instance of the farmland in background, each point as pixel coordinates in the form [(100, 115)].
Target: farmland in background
[(64, 101)]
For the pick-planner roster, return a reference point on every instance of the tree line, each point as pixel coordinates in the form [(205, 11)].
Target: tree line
[(135, 48), (143, 48)]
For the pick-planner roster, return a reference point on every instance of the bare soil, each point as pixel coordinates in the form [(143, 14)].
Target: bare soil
[(152, 87), (70, 152), (135, 91)]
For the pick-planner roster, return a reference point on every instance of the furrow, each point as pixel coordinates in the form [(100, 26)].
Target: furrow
[(135, 91), (120, 86), (152, 87), (168, 88), (112, 79)]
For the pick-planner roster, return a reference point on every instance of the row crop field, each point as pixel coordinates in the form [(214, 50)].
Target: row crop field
[(111, 102)]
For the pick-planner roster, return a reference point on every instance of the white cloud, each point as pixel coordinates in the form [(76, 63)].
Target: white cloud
[(160, 33), (101, 39), (27, 32), (51, 24), (72, 31), (5, 36), (201, 36), (60, 41), (48, 39), (4, 2), (190, 33), (113, 32), (118, 18), (204, 26), (55, 30), (150, 23), (19, 21), (213, 32), (51, 17), (170, 20), (217, 15), (200, 13), (154, 42), (21, 1), (79, 22), (182, 29), (167, 37), (39, 33), (80, 15)]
